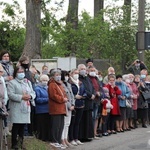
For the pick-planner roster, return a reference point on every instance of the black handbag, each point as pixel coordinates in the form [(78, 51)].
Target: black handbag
[(146, 95), (2, 113)]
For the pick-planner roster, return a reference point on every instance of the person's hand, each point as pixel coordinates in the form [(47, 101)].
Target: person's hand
[(98, 93), (65, 99), (26, 97), (72, 108), (93, 96), (9, 78), (78, 96)]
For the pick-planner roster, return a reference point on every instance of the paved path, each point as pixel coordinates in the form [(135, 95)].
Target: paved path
[(136, 139)]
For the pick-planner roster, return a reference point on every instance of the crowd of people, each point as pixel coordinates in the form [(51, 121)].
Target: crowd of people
[(67, 108)]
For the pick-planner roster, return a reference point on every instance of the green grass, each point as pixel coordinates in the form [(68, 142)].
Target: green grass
[(31, 144)]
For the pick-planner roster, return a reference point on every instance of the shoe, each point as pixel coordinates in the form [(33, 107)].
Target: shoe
[(105, 134), (128, 129), (73, 143), (131, 127), (55, 144), (144, 126), (62, 146), (99, 135), (96, 138), (79, 142), (113, 132), (121, 130)]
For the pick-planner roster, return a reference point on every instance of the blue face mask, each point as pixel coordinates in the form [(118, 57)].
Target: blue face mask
[(143, 76), (20, 76)]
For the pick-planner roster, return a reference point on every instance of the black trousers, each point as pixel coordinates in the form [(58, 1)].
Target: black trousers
[(57, 125), (17, 130)]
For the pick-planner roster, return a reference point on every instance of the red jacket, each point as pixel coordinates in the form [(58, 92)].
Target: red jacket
[(56, 94), (114, 92)]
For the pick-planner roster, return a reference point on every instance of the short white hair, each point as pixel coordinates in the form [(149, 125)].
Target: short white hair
[(44, 77), (81, 65)]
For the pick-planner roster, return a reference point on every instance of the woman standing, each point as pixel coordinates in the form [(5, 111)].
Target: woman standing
[(41, 109), (8, 68), (70, 107), (3, 100), (57, 107), (79, 107), (20, 93), (114, 91)]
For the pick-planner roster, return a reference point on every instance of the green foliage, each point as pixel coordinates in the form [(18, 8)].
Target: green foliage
[(112, 38), (12, 34)]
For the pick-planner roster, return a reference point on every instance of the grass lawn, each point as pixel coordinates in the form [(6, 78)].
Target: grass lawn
[(30, 144)]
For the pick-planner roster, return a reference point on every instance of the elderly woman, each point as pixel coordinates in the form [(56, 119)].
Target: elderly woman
[(57, 107), (41, 108), (8, 70), (3, 100), (20, 93)]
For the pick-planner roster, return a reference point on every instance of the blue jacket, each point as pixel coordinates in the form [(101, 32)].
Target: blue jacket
[(41, 99), (81, 91), (125, 92)]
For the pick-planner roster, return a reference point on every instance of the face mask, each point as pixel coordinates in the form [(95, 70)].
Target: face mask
[(44, 83), (82, 72), (92, 74), (5, 61), (45, 72), (75, 76), (20, 76), (100, 78), (36, 76), (66, 78), (137, 65), (127, 80), (25, 66), (131, 80), (57, 78), (143, 76)]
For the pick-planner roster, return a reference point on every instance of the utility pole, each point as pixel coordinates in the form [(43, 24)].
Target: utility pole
[(141, 30)]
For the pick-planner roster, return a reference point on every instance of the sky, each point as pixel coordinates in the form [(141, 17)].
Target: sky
[(87, 5)]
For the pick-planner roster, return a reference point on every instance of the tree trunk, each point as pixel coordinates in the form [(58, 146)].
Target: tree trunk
[(127, 11), (98, 6), (72, 23), (72, 16), (32, 47)]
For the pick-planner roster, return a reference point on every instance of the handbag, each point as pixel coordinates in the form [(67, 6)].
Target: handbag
[(146, 95), (128, 103)]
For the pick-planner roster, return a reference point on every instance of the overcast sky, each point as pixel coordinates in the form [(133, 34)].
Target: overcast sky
[(87, 5)]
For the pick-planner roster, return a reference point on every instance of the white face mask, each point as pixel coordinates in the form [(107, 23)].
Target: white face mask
[(44, 83), (82, 72), (92, 74), (57, 78), (127, 80), (75, 76), (66, 78)]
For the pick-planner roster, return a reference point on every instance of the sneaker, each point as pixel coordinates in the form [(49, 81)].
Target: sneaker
[(79, 142), (96, 138), (55, 144), (63, 146), (73, 143)]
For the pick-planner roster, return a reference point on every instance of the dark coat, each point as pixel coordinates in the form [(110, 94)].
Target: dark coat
[(89, 89), (142, 104)]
